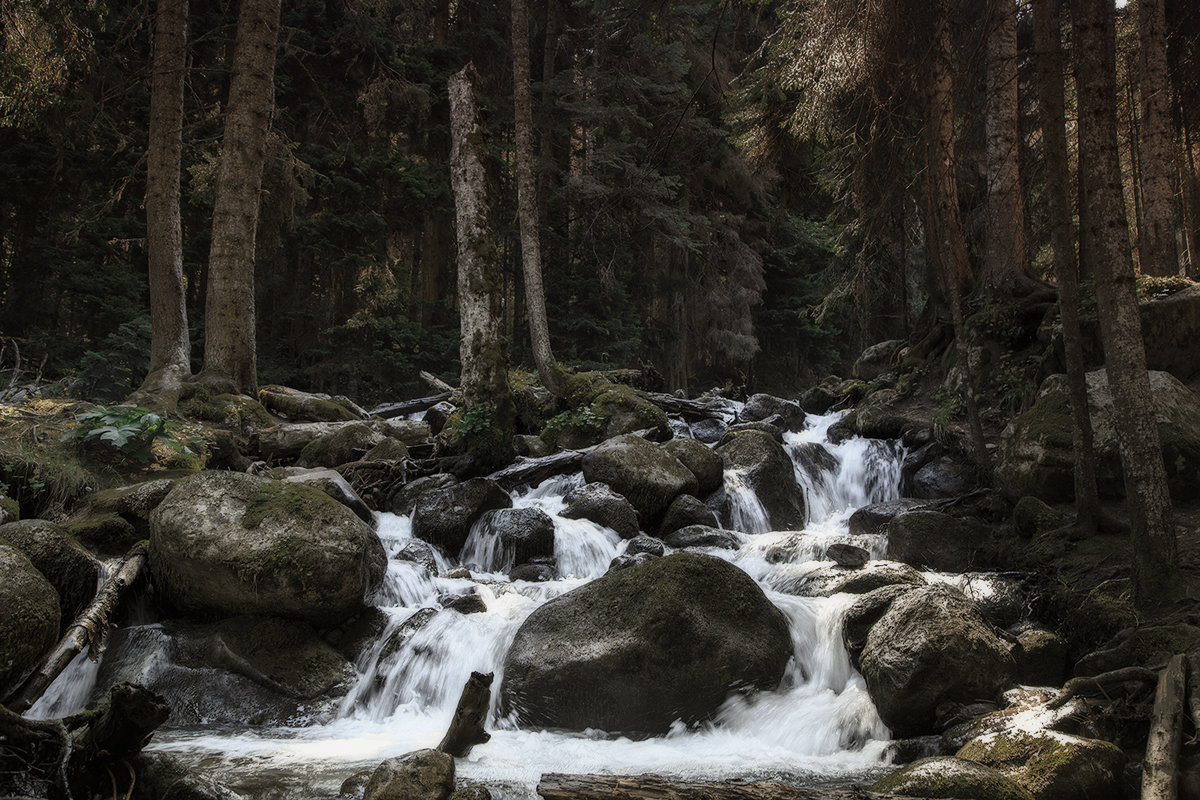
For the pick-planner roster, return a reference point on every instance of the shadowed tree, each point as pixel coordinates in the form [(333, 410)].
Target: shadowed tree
[(1156, 234)]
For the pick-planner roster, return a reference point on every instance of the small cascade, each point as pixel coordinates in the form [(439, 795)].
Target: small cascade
[(746, 511)]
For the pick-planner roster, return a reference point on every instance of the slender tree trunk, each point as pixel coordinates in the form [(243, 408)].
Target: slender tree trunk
[(170, 349), (230, 360), (527, 206), (1150, 513), (1047, 32), (1157, 236), (482, 347), (1004, 264)]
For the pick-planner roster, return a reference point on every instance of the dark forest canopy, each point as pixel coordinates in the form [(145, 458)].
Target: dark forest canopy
[(729, 192)]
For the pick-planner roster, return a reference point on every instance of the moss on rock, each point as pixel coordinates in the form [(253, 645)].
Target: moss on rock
[(946, 776), (1051, 765)]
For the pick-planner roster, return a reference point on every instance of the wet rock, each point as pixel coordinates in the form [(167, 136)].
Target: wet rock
[(71, 569), (937, 541), (814, 458), (444, 517), (686, 510), (472, 793), (700, 459), (1002, 599), (760, 407), (864, 613), (29, 617), (531, 446), (164, 777), (1042, 659), (627, 560), (404, 498), (466, 603), (932, 646), (1036, 453), (703, 536), (883, 416), (417, 552), (524, 533), (231, 544), (132, 503), (943, 477), (708, 431), (534, 573), (947, 776), (333, 484), (906, 751), (642, 472), (763, 426), (422, 775), (763, 465), (600, 504), (642, 647), (847, 555), (645, 544), (830, 580), (1052, 766), (437, 415), (820, 399)]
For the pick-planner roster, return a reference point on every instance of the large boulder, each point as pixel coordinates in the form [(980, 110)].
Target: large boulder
[(1036, 456), (333, 484), (876, 359), (645, 646), (644, 473), (787, 414), (872, 520), (1052, 765), (934, 540), (347, 443), (932, 646), (522, 533), (686, 510), (862, 615), (945, 476), (444, 516), (947, 776), (29, 614), (71, 569), (763, 465), (698, 457), (229, 543), (422, 775), (600, 504)]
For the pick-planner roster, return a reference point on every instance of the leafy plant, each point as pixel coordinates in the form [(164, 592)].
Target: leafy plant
[(131, 430)]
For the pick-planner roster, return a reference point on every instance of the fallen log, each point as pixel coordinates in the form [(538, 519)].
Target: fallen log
[(1106, 684), (689, 409), (88, 630), (532, 471), (393, 410), (556, 786), (1160, 767), (436, 382), (466, 727)]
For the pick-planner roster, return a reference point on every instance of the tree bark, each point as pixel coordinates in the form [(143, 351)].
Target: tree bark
[(482, 347), (1004, 264), (1156, 243), (466, 727), (527, 206), (1151, 519), (555, 786), (230, 360), (1047, 31), (1160, 767), (88, 630), (170, 348)]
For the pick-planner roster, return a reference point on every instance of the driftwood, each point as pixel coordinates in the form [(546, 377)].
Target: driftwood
[(76, 754), (466, 728), (532, 471), (556, 786), (436, 382), (1160, 767), (287, 439), (689, 409), (393, 410), (88, 630), (1106, 684)]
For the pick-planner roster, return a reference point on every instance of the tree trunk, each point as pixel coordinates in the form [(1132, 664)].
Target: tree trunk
[(1004, 262), (1160, 767), (466, 727), (1156, 242), (170, 348), (1150, 513), (1047, 32), (230, 361), (482, 348), (527, 206)]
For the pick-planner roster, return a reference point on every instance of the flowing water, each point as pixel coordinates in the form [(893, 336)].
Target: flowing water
[(818, 727)]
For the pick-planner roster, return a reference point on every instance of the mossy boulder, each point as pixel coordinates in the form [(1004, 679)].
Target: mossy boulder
[(333, 484), (347, 443), (1042, 659), (1051, 765), (71, 569), (421, 775), (625, 410), (876, 359), (134, 502), (884, 415), (237, 412), (1033, 517), (105, 533), (642, 472), (933, 540), (642, 647), (950, 777), (229, 544), (10, 510), (763, 466), (444, 517), (403, 499), (703, 462), (29, 617), (686, 510), (1036, 456), (600, 504), (932, 646)]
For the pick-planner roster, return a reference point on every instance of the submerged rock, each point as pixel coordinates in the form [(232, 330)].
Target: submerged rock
[(932, 646), (229, 543), (645, 646)]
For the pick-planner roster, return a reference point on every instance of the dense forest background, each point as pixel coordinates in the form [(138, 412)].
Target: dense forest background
[(730, 191)]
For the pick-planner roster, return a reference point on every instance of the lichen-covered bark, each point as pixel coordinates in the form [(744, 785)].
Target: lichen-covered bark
[(169, 345), (1156, 237), (1150, 513), (229, 352)]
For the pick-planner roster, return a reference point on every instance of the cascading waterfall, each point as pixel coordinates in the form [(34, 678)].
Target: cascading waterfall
[(819, 724)]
